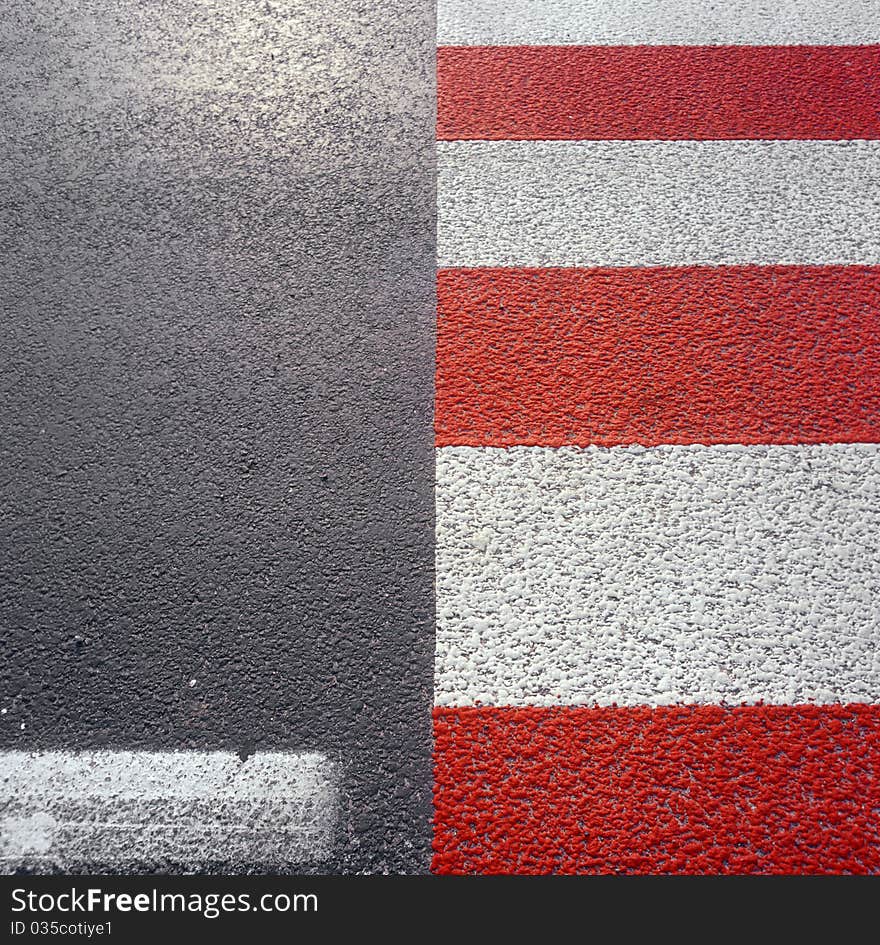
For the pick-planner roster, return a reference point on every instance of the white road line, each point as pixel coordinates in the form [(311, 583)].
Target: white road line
[(622, 203), (64, 808), (657, 576), (671, 22)]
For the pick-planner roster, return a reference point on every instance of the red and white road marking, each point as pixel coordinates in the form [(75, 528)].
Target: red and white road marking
[(658, 418)]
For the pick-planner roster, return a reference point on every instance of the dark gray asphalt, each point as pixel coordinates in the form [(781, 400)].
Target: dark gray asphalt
[(216, 325)]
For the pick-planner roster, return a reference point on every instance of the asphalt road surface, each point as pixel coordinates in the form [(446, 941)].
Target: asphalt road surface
[(217, 262)]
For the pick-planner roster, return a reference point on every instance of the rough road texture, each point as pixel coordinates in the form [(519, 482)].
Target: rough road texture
[(176, 808), (680, 789), (216, 254), (655, 22), (657, 430), (657, 355), (679, 574), (696, 92), (658, 203)]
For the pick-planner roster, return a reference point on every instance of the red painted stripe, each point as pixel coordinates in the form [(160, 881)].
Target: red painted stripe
[(695, 789), (658, 92), (741, 354)]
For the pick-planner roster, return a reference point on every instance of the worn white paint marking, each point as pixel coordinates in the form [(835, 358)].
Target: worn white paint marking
[(668, 22), (658, 576), (634, 203), (62, 809)]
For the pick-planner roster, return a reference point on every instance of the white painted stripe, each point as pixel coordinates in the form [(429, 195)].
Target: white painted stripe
[(656, 576), (670, 22), (622, 203), (66, 809)]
